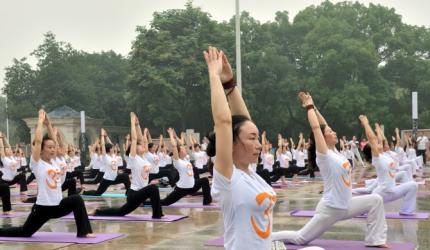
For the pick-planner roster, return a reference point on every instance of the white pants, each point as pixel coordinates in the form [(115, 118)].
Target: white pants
[(407, 191), (370, 185), (413, 164), (325, 217), (403, 177)]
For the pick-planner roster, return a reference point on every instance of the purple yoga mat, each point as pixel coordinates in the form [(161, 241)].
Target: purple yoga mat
[(329, 245), (388, 215), (192, 205), (23, 204), (133, 217), (51, 237), (13, 215)]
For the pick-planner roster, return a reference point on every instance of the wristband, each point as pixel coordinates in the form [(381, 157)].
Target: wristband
[(230, 84), (310, 106)]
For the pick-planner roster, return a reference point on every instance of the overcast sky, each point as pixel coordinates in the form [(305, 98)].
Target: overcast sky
[(96, 25)]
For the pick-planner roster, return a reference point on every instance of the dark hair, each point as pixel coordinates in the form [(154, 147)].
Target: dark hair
[(44, 139), (150, 145), (127, 151), (108, 147), (367, 152), (312, 155), (237, 122)]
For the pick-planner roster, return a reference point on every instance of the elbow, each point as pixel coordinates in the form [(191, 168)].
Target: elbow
[(223, 119)]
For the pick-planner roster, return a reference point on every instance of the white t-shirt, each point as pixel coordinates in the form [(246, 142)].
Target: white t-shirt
[(422, 142), (186, 174), (94, 161), (111, 167), (10, 167), (300, 158), (68, 162), (253, 167), (61, 162), (119, 160), (200, 159), (140, 168), (21, 161), (284, 159), (247, 206), (411, 153), (268, 161), (49, 178), (162, 163), (76, 161), (204, 146), (386, 172), (154, 160), (335, 170), (353, 145), (401, 154)]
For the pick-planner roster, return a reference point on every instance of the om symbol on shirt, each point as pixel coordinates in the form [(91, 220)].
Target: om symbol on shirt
[(190, 169), (145, 172), (346, 178), (265, 232), (114, 165), (54, 175), (392, 167)]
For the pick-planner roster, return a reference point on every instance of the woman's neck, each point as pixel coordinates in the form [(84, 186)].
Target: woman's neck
[(242, 166)]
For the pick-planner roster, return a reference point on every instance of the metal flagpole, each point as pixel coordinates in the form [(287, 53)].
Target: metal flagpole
[(238, 53)]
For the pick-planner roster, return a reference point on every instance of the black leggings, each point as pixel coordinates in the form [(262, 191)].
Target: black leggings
[(134, 199), (5, 197), (91, 173), (104, 184), (97, 179), (20, 178), (163, 173), (41, 214), (265, 174), (76, 173), (178, 193), (198, 171), (31, 178)]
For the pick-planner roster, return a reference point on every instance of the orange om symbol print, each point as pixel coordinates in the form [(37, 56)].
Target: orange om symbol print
[(265, 232), (114, 165), (392, 167), (346, 179), (145, 172), (190, 169), (13, 166), (54, 176)]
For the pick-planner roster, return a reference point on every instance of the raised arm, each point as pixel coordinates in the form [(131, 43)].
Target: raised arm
[(2, 151), (173, 143), (218, 66), (264, 142), (103, 143), (148, 136), (133, 122), (38, 136), (307, 102), (373, 140), (234, 98), (397, 138)]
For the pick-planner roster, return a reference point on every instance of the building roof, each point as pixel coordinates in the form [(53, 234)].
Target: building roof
[(64, 112)]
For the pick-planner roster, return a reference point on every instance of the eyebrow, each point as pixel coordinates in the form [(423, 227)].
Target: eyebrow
[(254, 134)]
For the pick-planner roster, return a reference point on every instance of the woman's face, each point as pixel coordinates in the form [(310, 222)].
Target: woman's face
[(49, 150), (247, 146), (330, 136)]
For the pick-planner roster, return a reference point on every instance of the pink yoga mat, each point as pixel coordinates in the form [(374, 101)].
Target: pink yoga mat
[(133, 217), (388, 215), (329, 245), (13, 215), (53, 237)]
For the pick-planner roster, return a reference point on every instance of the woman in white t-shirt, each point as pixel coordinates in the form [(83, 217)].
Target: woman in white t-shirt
[(337, 203), (140, 189), (200, 160), (50, 203), (245, 198), (10, 167), (186, 185), (97, 168), (111, 175), (386, 171), (284, 157)]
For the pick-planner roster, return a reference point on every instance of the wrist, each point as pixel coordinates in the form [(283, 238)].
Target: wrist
[(229, 84)]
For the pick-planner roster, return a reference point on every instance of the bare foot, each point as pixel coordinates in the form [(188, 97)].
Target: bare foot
[(92, 212), (91, 235), (380, 246)]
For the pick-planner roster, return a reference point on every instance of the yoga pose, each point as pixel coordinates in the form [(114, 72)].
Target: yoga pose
[(140, 189), (337, 202), (50, 203)]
